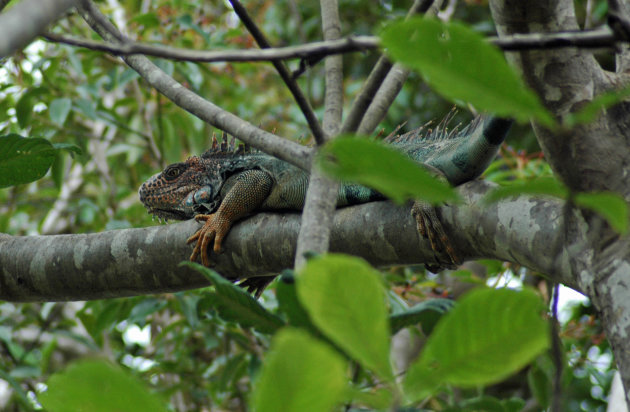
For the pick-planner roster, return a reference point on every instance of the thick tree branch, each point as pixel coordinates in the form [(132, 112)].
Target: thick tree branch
[(26, 20), (284, 149), (591, 157), (142, 261)]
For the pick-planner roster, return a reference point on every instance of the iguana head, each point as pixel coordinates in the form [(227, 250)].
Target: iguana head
[(185, 189), (179, 191)]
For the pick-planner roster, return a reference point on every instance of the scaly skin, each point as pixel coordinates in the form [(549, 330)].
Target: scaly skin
[(226, 183)]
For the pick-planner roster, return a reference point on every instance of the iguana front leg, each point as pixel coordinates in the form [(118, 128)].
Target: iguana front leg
[(245, 194)]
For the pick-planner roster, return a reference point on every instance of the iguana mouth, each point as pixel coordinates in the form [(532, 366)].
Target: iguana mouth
[(168, 214)]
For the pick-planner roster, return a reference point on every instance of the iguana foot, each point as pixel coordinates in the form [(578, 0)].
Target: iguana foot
[(256, 285), (213, 231), (429, 226)]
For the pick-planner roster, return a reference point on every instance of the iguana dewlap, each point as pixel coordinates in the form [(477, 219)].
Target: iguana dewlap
[(225, 184)]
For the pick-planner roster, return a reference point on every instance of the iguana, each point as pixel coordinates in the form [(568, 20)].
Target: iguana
[(226, 183)]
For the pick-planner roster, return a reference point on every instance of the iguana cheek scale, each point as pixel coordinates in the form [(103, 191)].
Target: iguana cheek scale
[(226, 183)]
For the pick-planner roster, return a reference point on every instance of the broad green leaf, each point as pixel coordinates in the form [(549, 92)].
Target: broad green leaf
[(458, 63), (24, 160), (548, 186), (384, 169), (345, 299), (59, 110), (98, 386), (289, 304), (540, 383), (148, 20), (590, 111), (610, 206), (299, 374), (58, 170), (236, 305), (24, 109), (379, 399), (490, 334), (426, 314)]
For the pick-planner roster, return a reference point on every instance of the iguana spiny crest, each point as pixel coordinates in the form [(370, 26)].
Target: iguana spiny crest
[(187, 188)]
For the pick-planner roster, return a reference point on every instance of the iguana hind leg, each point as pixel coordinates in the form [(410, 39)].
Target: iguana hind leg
[(430, 227)]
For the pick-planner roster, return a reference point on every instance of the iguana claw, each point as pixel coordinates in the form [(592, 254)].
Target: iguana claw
[(213, 231), (429, 226)]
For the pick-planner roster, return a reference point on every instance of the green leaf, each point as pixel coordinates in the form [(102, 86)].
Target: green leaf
[(17, 388), (73, 149), (299, 374), (547, 186), (345, 299), (58, 170), (490, 334), (24, 109), (425, 313), (148, 20), (610, 206), (590, 111), (236, 305), (24, 160), (59, 110), (97, 386), (459, 64), (384, 169), (289, 304), (539, 383)]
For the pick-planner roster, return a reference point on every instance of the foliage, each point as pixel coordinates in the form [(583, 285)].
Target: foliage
[(458, 63), (320, 337), (384, 169)]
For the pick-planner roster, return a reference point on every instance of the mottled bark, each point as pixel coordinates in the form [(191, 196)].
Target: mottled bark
[(21, 24), (592, 157), (141, 261), (321, 196)]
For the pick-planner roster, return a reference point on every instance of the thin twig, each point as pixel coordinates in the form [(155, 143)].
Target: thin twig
[(305, 51), (305, 106), (282, 148), (556, 351), (375, 79), (589, 39), (391, 86)]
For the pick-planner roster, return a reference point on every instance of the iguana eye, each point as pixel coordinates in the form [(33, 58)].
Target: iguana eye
[(172, 172)]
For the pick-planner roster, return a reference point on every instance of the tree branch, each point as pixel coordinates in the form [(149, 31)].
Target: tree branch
[(305, 106), (389, 89), (3, 4), (321, 195), (284, 149), (590, 157), (375, 80), (142, 261), (589, 39), (26, 20)]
